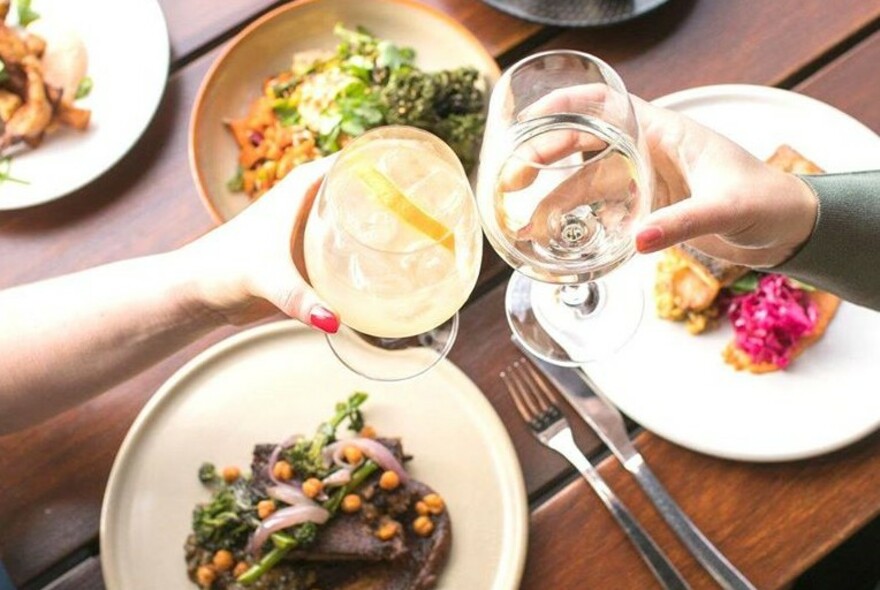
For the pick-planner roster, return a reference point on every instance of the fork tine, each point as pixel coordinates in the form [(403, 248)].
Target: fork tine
[(540, 388), (525, 390), (515, 391)]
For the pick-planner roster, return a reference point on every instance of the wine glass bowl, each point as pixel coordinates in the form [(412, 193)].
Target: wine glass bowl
[(393, 245), (564, 179)]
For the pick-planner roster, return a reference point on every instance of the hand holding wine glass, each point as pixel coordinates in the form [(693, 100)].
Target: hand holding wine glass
[(564, 179)]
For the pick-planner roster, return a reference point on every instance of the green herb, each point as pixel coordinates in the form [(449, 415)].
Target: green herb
[(800, 285), (84, 88), (4, 73), (389, 55), (446, 103), (287, 111), (226, 521), (26, 15), (208, 473), (746, 283), (236, 183), (306, 456), (360, 109), (5, 168)]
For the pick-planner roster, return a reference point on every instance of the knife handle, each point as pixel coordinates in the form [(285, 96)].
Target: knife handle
[(706, 553)]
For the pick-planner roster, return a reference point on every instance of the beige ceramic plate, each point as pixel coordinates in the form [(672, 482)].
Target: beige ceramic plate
[(266, 47), (270, 382)]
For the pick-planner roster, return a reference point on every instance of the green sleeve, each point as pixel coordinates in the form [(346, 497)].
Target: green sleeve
[(842, 255)]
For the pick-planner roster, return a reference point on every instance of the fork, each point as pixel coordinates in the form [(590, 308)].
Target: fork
[(538, 409)]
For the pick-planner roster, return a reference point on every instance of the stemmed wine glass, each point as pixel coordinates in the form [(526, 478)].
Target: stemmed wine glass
[(564, 178), (393, 244)]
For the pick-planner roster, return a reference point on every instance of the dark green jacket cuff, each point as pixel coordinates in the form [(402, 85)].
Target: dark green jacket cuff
[(842, 255)]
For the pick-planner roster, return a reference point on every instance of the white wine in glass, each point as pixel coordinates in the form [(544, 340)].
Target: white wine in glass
[(393, 245), (564, 179)]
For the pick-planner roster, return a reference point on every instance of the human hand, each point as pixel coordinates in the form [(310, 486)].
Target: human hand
[(723, 200), (707, 189), (252, 266)]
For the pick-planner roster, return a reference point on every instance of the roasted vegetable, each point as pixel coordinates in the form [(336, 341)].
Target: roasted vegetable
[(306, 456)]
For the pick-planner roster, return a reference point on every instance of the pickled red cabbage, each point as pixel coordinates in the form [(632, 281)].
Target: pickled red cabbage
[(769, 321)]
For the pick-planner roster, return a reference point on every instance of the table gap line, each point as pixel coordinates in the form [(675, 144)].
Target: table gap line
[(527, 46), (63, 566), (219, 39), (834, 53)]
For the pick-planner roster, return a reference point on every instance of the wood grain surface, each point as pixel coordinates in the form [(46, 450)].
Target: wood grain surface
[(688, 43), (54, 475), (850, 84), (196, 23)]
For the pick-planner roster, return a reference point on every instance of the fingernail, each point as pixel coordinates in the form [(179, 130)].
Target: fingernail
[(648, 239), (324, 319)]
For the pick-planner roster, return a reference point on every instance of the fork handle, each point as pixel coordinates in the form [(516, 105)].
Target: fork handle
[(706, 553), (653, 556)]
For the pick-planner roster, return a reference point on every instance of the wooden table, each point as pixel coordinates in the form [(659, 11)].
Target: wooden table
[(774, 521)]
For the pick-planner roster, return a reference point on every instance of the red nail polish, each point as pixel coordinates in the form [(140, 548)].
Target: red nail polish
[(648, 239), (324, 320)]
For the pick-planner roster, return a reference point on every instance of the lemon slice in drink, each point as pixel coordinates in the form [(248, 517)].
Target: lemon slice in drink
[(384, 190)]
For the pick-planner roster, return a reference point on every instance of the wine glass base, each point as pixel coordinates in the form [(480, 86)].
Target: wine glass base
[(573, 335), (393, 359)]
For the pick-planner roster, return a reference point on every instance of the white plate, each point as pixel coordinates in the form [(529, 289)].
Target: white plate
[(128, 53), (678, 386), (275, 380)]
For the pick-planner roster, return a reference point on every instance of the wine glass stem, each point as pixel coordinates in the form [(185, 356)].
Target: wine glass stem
[(583, 298)]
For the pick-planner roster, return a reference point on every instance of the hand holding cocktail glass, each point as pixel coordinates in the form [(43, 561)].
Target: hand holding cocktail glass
[(393, 245)]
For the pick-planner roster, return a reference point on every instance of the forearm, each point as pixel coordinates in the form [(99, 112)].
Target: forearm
[(843, 253), (67, 339)]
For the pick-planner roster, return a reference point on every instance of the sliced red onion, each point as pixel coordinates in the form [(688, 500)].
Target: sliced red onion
[(285, 518), (372, 449), (273, 458), (340, 477), (289, 495)]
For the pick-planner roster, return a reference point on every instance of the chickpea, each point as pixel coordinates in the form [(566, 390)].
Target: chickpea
[(368, 432), (282, 470), (353, 455), (422, 508), (205, 576), (265, 508), (389, 481), (387, 530), (351, 503), (223, 560), (435, 503), (423, 526), (312, 487), (240, 568), (231, 473)]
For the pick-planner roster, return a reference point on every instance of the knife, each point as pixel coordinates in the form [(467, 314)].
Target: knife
[(606, 421)]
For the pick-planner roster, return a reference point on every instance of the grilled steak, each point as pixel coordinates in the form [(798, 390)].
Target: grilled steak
[(345, 537), (416, 567), (347, 554)]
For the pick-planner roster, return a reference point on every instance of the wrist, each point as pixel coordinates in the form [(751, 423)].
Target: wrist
[(212, 290), (193, 287), (799, 218)]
